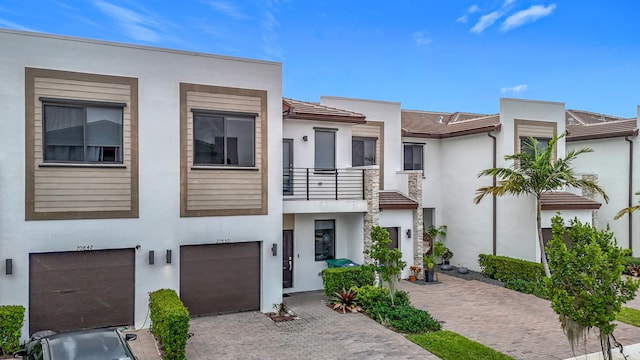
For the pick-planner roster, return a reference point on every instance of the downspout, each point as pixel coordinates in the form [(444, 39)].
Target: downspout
[(630, 195), (495, 224)]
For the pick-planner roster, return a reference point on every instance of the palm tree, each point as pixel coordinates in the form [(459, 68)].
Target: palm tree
[(534, 172), (628, 210)]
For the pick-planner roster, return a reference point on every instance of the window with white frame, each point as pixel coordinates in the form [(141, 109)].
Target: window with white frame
[(363, 151), (413, 157), (325, 240), (78, 132), (325, 149), (223, 139)]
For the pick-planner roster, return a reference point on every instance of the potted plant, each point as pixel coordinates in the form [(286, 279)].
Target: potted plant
[(415, 270), (446, 257), (429, 263)]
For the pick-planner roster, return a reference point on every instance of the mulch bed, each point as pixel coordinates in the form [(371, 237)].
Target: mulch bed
[(280, 318), (471, 275)]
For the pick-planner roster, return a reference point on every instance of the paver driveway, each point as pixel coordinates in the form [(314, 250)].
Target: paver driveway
[(320, 333), (520, 325)]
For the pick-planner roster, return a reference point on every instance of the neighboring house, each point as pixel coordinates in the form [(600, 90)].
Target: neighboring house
[(126, 169), (614, 163)]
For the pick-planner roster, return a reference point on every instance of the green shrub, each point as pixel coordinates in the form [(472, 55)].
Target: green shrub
[(169, 322), (505, 268), (11, 318), (538, 289), (404, 318), (369, 297), (336, 279)]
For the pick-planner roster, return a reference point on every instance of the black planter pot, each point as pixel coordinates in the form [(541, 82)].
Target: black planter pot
[(429, 275)]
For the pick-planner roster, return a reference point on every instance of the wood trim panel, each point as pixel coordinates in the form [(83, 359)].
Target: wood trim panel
[(261, 152), (33, 150)]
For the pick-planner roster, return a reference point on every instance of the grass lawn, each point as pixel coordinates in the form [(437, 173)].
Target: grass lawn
[(629, 316), (451, 346)]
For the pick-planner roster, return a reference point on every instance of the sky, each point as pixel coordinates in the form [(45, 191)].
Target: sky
[(448, 55)]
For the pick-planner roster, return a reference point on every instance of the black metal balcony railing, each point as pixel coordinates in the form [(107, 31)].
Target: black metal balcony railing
[(316, 184)]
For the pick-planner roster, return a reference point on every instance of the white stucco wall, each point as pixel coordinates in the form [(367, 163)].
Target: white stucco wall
[(610, 162), (304, 151), (517, 235), (469, 226), (379, 111), (348, 244), (159, 226)]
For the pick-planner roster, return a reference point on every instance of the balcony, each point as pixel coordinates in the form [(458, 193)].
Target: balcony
[(316, 184)]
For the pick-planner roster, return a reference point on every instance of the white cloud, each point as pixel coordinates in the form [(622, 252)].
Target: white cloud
[(227, 8), (15, 26), (486, 21), (514, 89), (270, 36), (420, 39), (136, 25), (465, 17), (529, 15)]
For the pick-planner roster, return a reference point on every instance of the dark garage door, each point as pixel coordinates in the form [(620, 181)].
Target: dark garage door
[(220, 278), (79, 290)]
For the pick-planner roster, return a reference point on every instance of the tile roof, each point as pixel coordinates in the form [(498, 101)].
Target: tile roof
[(393, 200), (429, 124), (563, 200), (583, 125), (296, 109)]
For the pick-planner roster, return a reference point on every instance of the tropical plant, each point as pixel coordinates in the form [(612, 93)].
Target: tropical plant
[(415, 270), (281, 309), (389, 262), (586, 288), (345, 300), (629, 210), (535, 171), (429, 262), (447, 255)]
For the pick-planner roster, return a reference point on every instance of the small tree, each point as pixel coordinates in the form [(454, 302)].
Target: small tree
[(586, 286), (388, 261)]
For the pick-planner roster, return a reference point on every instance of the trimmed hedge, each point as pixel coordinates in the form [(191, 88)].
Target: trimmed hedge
[(336, 279), (369, 297), (505, 268), (405, 318), (11, 319), (169, 322)]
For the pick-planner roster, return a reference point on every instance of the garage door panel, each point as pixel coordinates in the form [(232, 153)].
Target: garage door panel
[(220, 278), (77, 290)]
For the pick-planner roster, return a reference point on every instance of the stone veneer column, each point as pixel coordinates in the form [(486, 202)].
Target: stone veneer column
[(415, 193), (591, 195), (372, 216)]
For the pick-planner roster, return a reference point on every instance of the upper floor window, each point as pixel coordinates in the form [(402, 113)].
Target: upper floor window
[(325, 149), (541, 142), (220, 139), (413, 157), (363, 151), (82, 132)]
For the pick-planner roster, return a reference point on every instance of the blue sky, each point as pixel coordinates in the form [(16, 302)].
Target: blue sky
[(428, 55)]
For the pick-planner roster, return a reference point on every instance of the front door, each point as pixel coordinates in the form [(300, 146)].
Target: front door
[(287, 258), (393, 234), (287, 166)]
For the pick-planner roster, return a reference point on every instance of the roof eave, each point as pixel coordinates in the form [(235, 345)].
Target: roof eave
[(633, 132), (571, 206), (332, 118), (480, 130)]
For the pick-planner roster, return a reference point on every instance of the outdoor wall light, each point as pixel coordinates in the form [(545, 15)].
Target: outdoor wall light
[(409, 233), (168, 256), (152, 257), (305, 138), (274, 249), (8, 266)]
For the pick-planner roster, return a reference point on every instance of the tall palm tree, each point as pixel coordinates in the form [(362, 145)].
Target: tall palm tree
[(534, 172), (628, 210)]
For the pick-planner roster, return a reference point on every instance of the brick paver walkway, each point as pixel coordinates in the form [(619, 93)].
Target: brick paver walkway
[(520, 325)]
